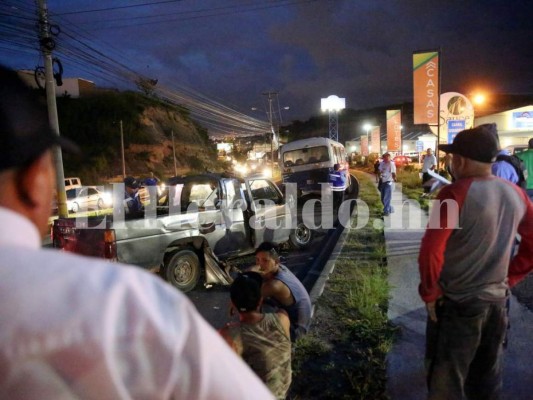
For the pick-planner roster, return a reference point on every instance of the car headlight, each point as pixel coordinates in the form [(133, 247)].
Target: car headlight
[(108, 198)]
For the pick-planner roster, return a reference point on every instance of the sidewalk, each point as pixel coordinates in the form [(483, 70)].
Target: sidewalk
[(405, 362)]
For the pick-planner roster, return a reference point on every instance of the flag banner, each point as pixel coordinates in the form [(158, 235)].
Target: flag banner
[(394, 130), (375, 140), (426, 87), (364, 145)]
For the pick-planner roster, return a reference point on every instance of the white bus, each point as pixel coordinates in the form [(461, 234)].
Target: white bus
[(310, 162)]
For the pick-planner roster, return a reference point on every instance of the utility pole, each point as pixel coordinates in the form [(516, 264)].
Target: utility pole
[(273, 133), (122, 150), (174, 152), (47, 44)]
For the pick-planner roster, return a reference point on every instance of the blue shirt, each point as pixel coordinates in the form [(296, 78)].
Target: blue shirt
[(504, 170)]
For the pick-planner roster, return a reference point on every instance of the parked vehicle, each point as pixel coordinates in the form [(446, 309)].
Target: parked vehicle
[(310, 162), (86, 198), (72, 183), (200, 221), (517, 148), (401, 161)]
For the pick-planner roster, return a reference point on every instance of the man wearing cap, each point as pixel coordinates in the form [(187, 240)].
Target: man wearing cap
[(465, 272), (387, 171), (132, 200), (77, 327)]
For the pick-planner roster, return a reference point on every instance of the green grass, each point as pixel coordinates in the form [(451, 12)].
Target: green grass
[(344, 355)]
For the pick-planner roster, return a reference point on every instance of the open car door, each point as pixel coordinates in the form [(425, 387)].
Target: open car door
[(270, 219)]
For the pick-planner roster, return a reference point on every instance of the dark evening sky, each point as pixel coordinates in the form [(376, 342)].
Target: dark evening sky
[(229, 52)]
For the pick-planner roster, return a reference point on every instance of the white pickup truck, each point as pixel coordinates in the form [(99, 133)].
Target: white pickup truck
[(185, 233)]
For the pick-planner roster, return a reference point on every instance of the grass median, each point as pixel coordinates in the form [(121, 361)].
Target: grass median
[(343, 356)]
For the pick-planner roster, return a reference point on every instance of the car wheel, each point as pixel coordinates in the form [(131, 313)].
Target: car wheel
[(100, 204), (183, 270), (75, 207), (301, 236)]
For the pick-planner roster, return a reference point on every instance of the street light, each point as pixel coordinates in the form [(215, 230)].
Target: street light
[(333, 104)]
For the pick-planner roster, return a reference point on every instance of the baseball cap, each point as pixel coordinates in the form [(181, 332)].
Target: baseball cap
[(479, 143), (25, 132), (131, 182)]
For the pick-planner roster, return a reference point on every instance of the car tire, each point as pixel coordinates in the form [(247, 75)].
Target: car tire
[(301, 236), (183, 270), (75, 207)]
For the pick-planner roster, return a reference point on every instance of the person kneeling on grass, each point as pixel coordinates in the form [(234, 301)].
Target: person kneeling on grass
[(262, 339)]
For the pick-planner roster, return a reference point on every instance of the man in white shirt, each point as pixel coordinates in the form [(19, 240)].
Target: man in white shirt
[(429, 164), (387, 171), (73, 327)]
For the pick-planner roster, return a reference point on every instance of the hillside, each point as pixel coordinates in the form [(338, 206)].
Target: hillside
[(94, 124)]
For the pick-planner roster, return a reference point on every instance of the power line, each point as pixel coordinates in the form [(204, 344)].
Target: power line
[(117, 7)]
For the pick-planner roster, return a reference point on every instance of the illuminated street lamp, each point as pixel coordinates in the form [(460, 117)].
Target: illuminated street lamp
[(479, 99), (333, 104)]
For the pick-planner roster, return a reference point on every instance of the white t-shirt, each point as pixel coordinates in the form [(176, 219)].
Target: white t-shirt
[(74, 327), (429, 161), (386, 170)]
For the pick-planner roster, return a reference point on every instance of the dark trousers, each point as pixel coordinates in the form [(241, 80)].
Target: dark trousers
[(425, 177), (464, 350)]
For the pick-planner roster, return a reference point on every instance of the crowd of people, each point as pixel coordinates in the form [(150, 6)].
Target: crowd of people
[(76, 327)]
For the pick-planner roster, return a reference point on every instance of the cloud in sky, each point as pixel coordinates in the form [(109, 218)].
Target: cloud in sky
[(306, 50)]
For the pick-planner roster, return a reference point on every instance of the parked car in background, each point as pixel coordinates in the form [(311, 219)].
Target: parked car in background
[(401, 161), (72, 183), (88, 197)]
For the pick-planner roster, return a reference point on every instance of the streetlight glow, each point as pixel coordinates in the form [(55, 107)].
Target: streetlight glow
[(479, 99)]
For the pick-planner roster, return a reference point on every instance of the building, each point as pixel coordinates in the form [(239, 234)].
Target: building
[(515, 127), (71, 87)]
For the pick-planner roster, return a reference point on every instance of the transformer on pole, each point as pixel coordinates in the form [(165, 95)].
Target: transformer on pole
[(333, 105)]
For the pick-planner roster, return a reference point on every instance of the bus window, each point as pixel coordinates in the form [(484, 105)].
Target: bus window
[(308, 155)]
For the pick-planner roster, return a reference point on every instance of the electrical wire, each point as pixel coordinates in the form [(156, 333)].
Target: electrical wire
[(76, 47)]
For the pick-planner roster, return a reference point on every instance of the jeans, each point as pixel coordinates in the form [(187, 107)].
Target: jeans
[(386, 194), (464, 350)]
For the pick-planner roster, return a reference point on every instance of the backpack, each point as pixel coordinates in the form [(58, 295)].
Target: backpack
[(518, 165)]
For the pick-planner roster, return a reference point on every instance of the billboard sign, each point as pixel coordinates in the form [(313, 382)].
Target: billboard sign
[(364, 145), (523, 119), (426, 87), (454, 127), (375, 140), (394, 130)]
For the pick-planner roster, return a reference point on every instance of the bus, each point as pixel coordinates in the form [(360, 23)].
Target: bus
[(310, 162)]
